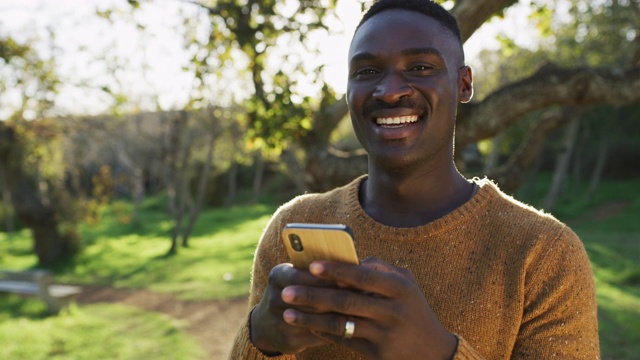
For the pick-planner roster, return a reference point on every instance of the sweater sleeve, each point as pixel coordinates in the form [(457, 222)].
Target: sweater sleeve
[(560, 311)]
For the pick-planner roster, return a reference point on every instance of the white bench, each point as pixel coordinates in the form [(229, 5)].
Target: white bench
[(40, 283)]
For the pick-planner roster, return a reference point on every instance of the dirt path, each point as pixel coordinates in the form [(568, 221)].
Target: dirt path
[(212, 323)]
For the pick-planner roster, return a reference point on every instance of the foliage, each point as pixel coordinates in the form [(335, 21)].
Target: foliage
[(598, 33), (245, 37), (90, 332), (589, 34), (28, 81), (134, 255)]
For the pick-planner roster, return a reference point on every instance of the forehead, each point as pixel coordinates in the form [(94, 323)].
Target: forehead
[(396, 30)]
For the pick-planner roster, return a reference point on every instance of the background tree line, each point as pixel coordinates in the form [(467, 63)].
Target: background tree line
[(567, 105)]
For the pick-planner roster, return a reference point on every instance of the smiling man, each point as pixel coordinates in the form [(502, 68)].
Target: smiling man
[(453, 268)]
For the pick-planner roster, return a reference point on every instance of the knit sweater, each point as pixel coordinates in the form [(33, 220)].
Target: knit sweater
[(509, 281)]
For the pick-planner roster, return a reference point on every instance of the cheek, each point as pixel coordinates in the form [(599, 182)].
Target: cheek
[(358, 130), (355, 94), (440, 94)]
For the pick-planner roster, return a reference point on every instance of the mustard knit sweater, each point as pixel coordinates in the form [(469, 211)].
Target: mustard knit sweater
[(509, 281)]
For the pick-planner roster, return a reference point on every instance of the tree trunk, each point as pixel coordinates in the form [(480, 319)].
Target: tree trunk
[(471, 14), (598, 170), (174, 132), (7, 208), (138, 193), (39, 216), (232, 188), (329, 169), (257, 179), (202, 188), (601, 159), (575, 180), (562, 164), (296, 171), (529, 185), (136, 176)]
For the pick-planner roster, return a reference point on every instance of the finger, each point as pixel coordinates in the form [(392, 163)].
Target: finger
[(377, 264), (295, 339), (389, 283), (342, 301), (331, 328), (283, 275), (329, 324)]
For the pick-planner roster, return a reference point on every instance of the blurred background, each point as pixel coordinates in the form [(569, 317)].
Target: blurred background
[(144, 145)]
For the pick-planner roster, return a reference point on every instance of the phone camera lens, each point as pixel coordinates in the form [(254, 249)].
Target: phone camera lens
[(296, 243)]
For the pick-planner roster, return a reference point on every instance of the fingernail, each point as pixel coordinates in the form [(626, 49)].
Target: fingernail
[(288, 294), (289, 316), (316, 268)]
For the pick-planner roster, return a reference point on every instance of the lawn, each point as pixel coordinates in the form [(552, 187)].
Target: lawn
[(218, 261), (89, 332), (215, 266)]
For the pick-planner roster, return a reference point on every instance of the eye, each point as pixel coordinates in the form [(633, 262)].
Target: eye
[(365, 73), (420, 67)]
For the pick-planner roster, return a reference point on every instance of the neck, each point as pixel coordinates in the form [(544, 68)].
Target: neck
[(410, 200)]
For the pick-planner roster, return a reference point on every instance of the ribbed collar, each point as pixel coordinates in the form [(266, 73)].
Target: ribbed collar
[(477, 204)]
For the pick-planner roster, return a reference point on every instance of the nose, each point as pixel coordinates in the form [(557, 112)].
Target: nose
[(391, 88)]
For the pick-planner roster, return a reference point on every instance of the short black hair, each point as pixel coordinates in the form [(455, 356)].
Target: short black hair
[(425, 7)]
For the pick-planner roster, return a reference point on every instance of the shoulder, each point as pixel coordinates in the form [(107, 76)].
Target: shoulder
[(506, 211), (519, 224)]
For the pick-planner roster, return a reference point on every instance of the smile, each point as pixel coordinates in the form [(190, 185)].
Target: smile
[(399, 120)]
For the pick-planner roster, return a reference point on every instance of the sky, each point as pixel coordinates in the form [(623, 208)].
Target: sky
[(163, 81)]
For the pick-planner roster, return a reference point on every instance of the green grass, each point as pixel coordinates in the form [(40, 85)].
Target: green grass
[(613, 246), (90, 332), (215, 265), (218, 262)]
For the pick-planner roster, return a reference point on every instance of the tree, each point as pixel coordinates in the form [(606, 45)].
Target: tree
[(29, 155), (601, 40), (550, 86)]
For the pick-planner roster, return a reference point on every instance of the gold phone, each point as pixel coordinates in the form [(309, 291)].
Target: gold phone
[(308, 242)]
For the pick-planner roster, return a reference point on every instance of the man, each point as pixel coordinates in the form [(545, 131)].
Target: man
[(453, 268)]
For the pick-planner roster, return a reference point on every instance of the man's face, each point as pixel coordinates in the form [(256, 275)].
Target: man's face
[(406, 77)]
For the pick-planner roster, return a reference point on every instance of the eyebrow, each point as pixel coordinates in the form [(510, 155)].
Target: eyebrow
[(407, 52), (422, 51)]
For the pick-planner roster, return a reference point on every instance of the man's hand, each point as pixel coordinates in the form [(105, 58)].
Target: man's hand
[(392, 318), (269, 332)]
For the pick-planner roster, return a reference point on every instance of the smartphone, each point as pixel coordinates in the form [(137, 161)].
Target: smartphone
[(308, 242)]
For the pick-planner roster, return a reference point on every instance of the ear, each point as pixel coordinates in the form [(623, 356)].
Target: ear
[(465, 84)]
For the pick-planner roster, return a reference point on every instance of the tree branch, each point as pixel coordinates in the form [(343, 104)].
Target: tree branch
[(471, 14), (549, 86), (511, 174)]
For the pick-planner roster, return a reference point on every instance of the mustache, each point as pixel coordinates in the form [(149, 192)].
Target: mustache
[(410, 103)]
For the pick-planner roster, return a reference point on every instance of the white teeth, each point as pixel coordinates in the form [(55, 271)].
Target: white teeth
[(397, 120)]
